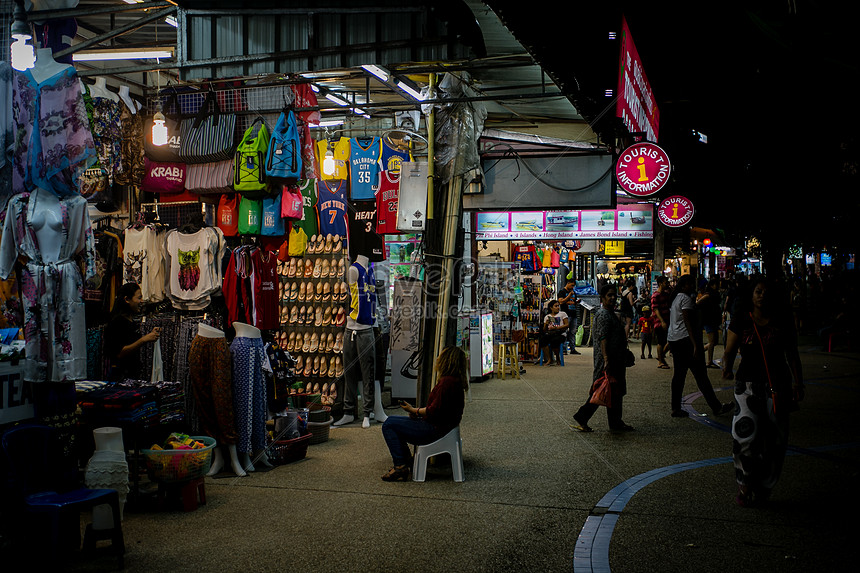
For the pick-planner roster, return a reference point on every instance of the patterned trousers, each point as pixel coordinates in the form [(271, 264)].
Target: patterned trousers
[(212, 380), (759, 437), (249, 393)]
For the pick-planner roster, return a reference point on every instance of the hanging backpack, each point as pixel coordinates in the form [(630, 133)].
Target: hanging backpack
[(248, 171), (228, 215), (250, 216), (273, 224), (292, 203), (284, 159)]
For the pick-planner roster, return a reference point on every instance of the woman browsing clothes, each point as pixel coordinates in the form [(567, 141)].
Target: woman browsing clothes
[(122, 338), (555, 325), (769, 384), (425, 425)]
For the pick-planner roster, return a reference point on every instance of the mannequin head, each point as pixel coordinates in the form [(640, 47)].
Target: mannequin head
[(128, 300)]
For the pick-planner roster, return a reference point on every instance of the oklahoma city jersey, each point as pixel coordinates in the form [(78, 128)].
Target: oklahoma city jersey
[(331, 206), (363, 168), (386, 204)]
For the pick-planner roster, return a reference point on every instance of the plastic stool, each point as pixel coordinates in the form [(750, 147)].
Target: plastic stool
[(450, 443), (509, 350), (560, 356), (188, 492)]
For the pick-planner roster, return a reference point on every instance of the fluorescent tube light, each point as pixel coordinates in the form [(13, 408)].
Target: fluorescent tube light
[(329, 123), (337, 100), (377, 71), (119, 54), (410, 90)]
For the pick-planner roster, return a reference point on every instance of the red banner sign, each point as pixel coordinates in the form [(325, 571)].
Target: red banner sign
[(675, 211), (636, 105), (643, 169)]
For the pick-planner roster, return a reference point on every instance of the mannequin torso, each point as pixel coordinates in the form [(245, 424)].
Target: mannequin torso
[(207, 331), (47, 223), (246, 330), (125, 96), (100, 89), (46, 66)]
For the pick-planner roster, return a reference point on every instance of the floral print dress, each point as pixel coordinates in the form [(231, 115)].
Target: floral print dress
[(54, 324)]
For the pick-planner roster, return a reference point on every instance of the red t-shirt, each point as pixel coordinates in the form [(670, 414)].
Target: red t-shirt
[(646, 324), (446, 403), (265, 291)]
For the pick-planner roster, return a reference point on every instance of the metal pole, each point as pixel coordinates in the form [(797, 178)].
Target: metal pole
[(431, 148)]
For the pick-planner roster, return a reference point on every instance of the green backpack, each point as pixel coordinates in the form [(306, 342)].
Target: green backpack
[(249, 171), (250, 216)]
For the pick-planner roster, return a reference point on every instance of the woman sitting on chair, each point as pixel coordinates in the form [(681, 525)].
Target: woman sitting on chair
[(555, 325), (425, 425)]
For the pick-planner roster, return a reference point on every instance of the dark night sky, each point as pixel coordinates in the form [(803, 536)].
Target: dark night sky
[(770, 82)]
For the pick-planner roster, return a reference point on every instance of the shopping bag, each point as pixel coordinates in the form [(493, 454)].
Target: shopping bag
[(580, 335), (228, 215), (272, 224), (250, 216), (208, 137), (210, 178), (601, 391), (163, 177), (169, 152), (292, 203)]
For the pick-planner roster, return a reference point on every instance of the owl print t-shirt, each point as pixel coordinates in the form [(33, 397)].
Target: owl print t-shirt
[(193, 267)]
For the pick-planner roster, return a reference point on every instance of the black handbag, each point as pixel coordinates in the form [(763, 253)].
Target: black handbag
[(629, 358), (169, 152)]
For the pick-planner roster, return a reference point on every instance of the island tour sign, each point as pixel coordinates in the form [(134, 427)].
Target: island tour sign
[(643, 169), (675, 211)]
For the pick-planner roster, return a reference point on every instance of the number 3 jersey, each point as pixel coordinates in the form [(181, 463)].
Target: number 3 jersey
[(363, 238), (331, 207)]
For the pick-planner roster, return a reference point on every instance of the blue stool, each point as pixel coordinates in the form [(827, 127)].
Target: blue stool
[(560, 354)]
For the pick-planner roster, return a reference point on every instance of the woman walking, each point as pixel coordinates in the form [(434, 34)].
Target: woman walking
[(609, 353), (685, 342), (764, 395)]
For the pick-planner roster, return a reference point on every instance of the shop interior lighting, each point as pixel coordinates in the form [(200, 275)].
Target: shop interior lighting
[(337, 100), (120, 54), (409, 90), (23, 55), (328, 163), (329, 123), (377, 71)]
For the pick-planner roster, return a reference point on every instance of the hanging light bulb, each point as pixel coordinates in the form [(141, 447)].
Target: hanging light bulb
[(23, 54), (328, 163), (159, 130)]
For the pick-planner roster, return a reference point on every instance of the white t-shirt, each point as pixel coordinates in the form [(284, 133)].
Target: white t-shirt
[(677, 328), (556, 320), (194, 265), (142, 262)]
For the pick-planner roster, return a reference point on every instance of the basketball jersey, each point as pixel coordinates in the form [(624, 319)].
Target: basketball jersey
[(363, 168), (340, 149), (362, 297), (386, 203), (331, 206), (363, 239), (308, 223), (265, 291), (390, 159)]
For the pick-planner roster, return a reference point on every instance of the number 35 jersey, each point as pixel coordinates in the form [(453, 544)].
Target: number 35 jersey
[(331, 207), (363, 168), (363, 238)]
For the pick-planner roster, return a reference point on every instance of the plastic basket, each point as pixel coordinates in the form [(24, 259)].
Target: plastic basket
[(286, 451), (169, 466)]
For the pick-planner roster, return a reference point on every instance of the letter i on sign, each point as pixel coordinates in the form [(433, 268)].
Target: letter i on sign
[(674, 210), (642, 175)]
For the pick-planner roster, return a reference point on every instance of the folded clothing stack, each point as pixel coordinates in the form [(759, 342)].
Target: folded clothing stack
[(116, 404)]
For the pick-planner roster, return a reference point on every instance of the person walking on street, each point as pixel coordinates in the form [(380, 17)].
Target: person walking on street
[(660, 307), (628, 298), (687, 352), (764, 393), (610, 346), (708, 303), (569, 301)]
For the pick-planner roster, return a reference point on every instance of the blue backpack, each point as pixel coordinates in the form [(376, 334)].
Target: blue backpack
[(284, 157)]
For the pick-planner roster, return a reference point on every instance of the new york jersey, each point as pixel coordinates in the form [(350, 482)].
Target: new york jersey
[(363, 239), (390, 159), (363, 168), (308, 224), (340, 149), (386, 203), (331, 206)]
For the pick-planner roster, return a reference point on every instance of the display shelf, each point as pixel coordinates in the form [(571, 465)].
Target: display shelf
[(499, 292)]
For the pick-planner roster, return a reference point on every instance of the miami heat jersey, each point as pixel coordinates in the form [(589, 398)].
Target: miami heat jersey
[(363, 238), (340, 149), (390, 159), (386, 203), (331, 207), (363, 168)]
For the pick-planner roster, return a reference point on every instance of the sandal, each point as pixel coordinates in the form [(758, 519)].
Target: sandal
[(663, 365), (713, 365), (584, 428), (397, 473)]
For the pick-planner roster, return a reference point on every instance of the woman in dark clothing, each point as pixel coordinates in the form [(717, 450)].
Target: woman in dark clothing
[(764, 393), (122, 340), (708, 304), (609, 350), (425, 425)]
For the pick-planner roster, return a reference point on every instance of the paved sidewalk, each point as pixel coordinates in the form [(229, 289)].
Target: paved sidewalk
[(535, 493)]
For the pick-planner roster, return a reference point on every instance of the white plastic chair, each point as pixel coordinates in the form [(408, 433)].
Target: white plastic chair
[(450, 443)]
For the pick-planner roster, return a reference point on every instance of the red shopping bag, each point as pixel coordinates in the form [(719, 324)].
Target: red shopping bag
[(601, 391)]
